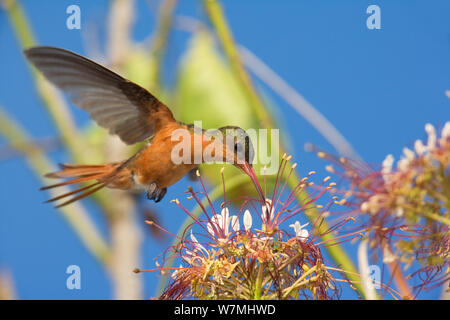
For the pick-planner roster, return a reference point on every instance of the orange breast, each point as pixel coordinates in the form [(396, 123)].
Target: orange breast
[(159, 162)]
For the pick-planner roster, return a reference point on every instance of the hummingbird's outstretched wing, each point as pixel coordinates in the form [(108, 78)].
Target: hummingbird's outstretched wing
[(115, 103)]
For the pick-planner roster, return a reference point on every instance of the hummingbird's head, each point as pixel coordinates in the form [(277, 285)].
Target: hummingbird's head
[(238, 147)]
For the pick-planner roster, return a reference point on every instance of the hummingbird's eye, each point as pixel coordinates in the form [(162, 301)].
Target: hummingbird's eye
[(237, 147)]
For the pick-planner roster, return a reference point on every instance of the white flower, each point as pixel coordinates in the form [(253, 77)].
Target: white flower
[(365, 206), (197, 244), (191, 256), (399, 212), (247, 220), (387, 164), (175, 273), (264, 238), (301, 233), (220, 223), (386, 168), (408, 154), (403, 164), (268, 211), (445, 135), (235, 223), (388, 256), (446, 131), (419, 147)]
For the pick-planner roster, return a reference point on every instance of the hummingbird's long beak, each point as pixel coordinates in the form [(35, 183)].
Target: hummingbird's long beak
[(247, 168)]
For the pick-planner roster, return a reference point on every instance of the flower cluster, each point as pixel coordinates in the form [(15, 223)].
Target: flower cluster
[(250, 255), (406, 206)]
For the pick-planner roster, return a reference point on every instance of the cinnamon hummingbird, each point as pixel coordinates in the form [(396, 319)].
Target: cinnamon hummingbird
[(134, 114)]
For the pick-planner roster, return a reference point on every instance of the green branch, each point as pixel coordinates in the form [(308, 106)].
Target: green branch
[(161, 37), (218, 20), (53, 101), (215, 14), (75, 214)]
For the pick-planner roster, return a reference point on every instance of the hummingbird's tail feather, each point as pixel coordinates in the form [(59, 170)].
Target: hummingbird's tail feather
[(101, 174), (81, 170)]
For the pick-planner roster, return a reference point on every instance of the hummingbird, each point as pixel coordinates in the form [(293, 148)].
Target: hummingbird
[(131, 112)]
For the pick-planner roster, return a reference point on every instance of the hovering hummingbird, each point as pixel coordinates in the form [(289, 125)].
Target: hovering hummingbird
[(135, 115)]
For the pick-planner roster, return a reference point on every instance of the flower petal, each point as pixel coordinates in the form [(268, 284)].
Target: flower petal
[(419, 147), (225, 220), (197, 244), (215, 226), (303, 234), (235, 223), (299, 231), (267, 211), (247, 220), (431, 143), (446, 131), (210, 229)]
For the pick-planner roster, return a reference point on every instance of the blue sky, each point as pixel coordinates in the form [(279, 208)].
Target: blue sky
[(378, 87)]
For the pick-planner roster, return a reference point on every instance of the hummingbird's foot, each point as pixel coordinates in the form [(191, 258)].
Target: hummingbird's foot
[(155, 193), (161, 194)]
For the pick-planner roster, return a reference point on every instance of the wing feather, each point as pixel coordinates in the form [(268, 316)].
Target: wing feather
[(115, 103)]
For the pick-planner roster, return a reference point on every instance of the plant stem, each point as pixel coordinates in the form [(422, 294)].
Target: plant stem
[(399, 279), (160, 40), (436, 217), (217, 18), (234, 182), (258, 283), (307, 111), (53, 101), (299, 282), (75, 214), (363, 262), (126, 239)]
